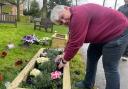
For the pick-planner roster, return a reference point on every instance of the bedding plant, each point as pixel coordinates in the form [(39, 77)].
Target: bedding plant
[(45, 74)]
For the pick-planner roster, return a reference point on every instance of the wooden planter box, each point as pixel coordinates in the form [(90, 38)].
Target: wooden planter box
[(24, 73), (59, 40)]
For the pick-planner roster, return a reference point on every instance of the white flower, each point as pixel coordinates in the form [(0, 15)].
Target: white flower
[(60, 49), (54, 35), (55, 31), (46, 38), (10, 45), (7, 84), (42, 60), (35, 72)]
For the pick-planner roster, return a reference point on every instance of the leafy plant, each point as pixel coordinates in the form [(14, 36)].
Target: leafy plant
[(34, 9), (52, 53), (48, 66), (77, 71), (49, 78)]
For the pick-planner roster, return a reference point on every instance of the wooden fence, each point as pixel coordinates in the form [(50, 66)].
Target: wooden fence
[(5, 18)]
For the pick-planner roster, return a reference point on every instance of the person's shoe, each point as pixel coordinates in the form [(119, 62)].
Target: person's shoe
[(81, 85), (124, 58)]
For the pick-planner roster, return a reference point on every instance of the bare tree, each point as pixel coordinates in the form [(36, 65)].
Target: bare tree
[(115, 4), (44, 9)]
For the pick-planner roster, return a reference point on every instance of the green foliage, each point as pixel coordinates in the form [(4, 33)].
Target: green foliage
[(77, 70), (51, 53), (8, 33), (52, 3), (44, 80), (48, 66), (6, 9), (34, 9)]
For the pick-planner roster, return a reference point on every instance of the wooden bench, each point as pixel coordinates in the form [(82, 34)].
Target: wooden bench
[(43, 23), (11, 19)]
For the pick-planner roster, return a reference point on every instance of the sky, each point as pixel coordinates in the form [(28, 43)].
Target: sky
[(108, 3)]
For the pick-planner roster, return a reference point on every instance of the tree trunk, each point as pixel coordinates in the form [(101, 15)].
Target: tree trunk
[(28, 4), (76, 2), (44, 9), (71, 2), (115, 4), (18, 10), (103, 2)]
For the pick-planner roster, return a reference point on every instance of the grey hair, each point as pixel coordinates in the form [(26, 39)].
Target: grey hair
[(55, 13)]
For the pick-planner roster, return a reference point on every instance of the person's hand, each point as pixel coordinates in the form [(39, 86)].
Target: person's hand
[(58, 58), (62, 64), (60, 61)]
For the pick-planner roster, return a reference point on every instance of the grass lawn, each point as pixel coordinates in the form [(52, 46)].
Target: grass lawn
[(77, 70), (8, 33)]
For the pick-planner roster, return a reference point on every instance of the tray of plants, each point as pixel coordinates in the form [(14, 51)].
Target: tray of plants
[(42, 72)]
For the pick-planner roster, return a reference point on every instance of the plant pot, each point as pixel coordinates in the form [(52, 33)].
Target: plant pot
[(3, 54)]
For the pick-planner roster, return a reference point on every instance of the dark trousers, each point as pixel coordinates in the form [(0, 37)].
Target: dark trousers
[(111, 53), (125, 54)]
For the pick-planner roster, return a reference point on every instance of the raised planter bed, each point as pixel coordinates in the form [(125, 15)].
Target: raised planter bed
[(25, 72), (59, 40)]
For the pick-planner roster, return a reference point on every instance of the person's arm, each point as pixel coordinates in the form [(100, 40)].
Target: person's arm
[(78, 30)]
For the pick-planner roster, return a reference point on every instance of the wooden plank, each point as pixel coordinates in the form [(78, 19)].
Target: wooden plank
[(66, 77), (22, 75), (20, 88)]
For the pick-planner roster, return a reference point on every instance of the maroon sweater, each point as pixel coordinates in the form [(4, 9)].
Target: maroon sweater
[(91, 23)]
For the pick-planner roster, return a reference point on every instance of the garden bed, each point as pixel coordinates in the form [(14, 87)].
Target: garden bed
[(23, 75)]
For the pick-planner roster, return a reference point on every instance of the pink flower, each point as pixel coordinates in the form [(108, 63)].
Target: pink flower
[(55, 75)]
